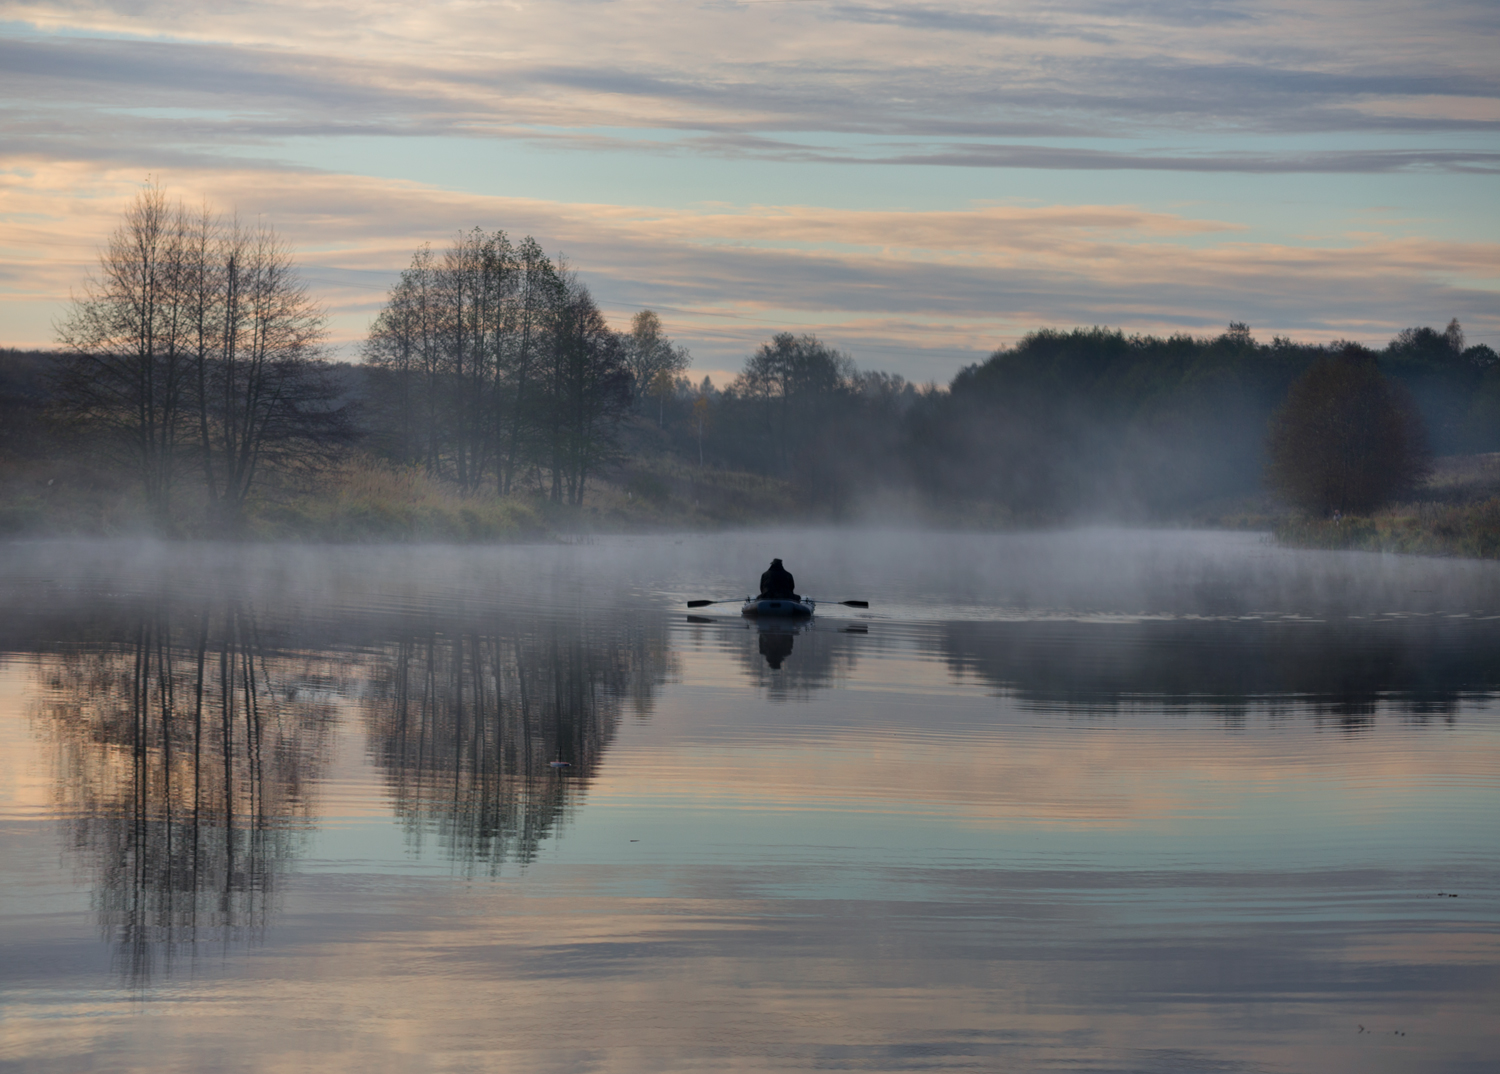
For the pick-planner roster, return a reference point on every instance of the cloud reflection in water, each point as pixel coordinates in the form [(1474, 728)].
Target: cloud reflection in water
[(950, 843)]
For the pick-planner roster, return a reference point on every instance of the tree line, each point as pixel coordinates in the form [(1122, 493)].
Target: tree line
[(194, 356), (1093, 422)]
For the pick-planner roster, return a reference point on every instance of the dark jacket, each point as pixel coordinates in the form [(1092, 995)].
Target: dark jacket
[(778, 582)]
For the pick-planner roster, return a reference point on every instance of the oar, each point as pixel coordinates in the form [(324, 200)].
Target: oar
[(736, 600)]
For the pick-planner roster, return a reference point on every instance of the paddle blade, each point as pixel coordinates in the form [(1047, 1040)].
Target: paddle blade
[(701, 603), (856, 603)]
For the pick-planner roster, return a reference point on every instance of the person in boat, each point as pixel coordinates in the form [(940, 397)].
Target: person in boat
[(778, 584)]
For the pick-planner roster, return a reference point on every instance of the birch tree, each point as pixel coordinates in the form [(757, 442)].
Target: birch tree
[(267, 403), (128, 332), (196, 341)]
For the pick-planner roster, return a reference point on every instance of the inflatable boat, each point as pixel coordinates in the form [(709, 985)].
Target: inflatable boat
[(779, 606)]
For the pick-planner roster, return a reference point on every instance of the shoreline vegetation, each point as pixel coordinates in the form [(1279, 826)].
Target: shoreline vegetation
[(365, 499), (1457, 514), (193, 396), (369, 500), (56, 480)]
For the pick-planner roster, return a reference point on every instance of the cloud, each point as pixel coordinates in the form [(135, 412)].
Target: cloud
[(914, 292), (1200, 72), (98, 95), (1344, 161)]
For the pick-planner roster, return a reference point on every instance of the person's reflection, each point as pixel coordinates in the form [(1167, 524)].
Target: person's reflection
[(820, 657), (183, 760), (775, 646)]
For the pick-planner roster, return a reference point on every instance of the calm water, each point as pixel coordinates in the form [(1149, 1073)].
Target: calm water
[(1093, 801)]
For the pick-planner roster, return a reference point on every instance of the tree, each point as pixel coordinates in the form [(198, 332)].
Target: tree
[(590, 392), (198, 340), (652, 359), (793, 382), (537, 297), (701, 408), (265, 403), (128, 332), (1347, 438), (402, 344), (791, 366)]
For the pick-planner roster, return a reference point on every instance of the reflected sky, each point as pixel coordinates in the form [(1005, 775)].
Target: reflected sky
[(517, 808)]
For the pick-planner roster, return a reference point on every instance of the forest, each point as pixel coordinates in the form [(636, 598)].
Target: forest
[(191, 394)]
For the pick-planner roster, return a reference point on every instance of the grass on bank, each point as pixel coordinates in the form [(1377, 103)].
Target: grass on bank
[(364, 500), (368, 500), (1458, 514), (1432, 529), (662, 493), (64, 498)]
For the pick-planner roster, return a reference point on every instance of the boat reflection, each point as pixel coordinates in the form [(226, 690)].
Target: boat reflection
[(792, 658), (776, 644)]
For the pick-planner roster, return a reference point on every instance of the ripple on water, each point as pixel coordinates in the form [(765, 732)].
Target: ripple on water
[(1089, 800)]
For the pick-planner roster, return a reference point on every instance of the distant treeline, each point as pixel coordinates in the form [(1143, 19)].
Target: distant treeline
[(1089, 421), (1094, 420), (1085, 422), (193, 376)]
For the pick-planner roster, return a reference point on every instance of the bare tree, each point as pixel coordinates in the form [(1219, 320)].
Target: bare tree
[(129, 334), (653, 359), (477, 273), (267, 403), (527, 383), (590, 393), (402, 342), (793, 381), (197, 339), (535, 300)]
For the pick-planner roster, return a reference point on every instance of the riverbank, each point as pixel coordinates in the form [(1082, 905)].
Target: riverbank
[(1456, 514), (1430, 529), (365, 500)]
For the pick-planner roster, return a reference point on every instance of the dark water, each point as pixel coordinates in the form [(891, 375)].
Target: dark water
[(1094, 801)]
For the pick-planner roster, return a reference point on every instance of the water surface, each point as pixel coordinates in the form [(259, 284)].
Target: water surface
[(1094, 801)]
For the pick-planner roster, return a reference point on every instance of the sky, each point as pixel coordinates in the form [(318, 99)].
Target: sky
[(916, 183)]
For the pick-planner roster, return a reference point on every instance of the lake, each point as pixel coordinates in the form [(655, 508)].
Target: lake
[(1096, 800)]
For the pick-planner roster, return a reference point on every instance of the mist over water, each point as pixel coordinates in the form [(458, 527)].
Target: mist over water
[(911, 574), (1098, 799)]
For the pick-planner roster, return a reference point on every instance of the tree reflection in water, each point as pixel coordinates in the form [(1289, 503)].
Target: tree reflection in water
[(467, 726), (186, 759), (1341, 672)]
